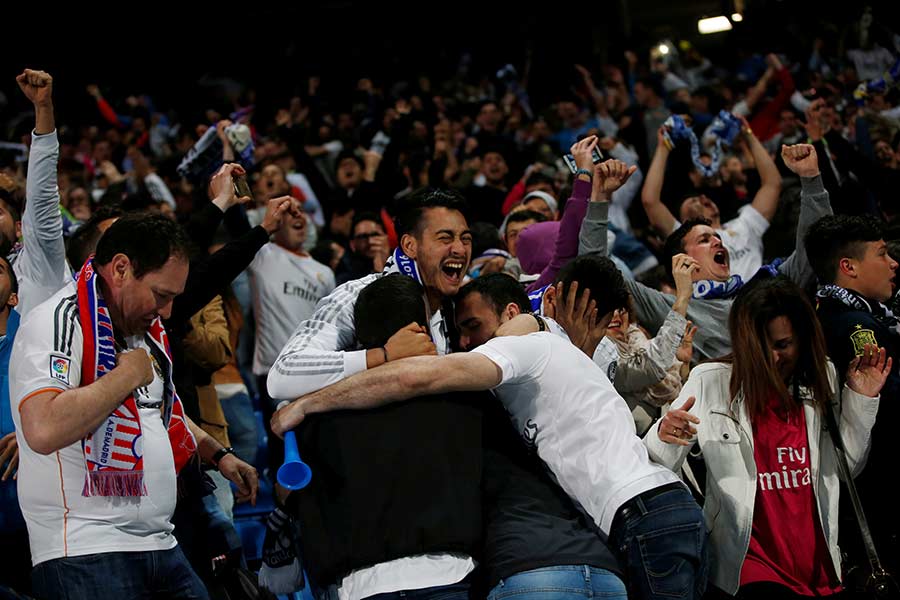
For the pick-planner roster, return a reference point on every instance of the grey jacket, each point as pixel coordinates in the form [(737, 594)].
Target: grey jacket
[(710, 316)]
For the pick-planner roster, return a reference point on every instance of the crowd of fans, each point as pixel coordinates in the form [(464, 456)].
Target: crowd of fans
[(678, 382)]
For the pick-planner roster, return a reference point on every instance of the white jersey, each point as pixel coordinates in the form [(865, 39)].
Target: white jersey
[(286, 288), (742, 237), (61, 522), (566, 408)]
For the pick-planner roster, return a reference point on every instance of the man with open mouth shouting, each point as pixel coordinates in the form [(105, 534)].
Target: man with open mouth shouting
[(435, 249), (714, 281)]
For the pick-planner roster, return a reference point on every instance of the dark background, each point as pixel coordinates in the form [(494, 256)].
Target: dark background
[(177, 52)]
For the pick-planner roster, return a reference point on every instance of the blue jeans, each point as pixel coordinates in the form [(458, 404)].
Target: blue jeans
[(455, 591), (563, 582), (118, 575), (660, 536), (239, 414)]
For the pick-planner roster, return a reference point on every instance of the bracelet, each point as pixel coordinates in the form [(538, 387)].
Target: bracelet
[(220, 454), (581, 171), (384, 350)]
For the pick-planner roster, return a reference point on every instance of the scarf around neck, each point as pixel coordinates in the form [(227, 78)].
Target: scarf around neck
[(710, 289), (881, 313), (114, 452)]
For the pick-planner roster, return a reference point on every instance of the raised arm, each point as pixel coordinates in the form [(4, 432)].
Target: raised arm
[(650, 366), (814, 204), (766, 200), (566, 247), (41, 266), (394, 382), (660, 216), (609, 177)]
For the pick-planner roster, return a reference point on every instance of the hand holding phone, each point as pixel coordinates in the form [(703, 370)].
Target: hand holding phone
[(241, 188), (596, 157)]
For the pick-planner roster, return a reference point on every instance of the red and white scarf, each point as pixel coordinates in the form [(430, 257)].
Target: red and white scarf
[(114, 452)]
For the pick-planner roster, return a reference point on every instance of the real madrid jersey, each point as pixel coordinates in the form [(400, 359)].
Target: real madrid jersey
[(286, 287)]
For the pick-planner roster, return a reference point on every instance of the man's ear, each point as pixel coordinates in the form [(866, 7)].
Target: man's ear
[(121, 268), (409, 245), (18, 230), (13, 300), (512, 310), (548, 302), (847, 268)]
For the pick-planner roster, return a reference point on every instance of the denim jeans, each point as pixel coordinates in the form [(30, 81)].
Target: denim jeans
[(118, 575), (660, 536), (455, 591), (238, 410), (563, 582)]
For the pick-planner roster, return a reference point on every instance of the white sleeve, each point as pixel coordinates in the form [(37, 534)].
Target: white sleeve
[(673, 455), (520, 357), (41, 265), (318, 354), (749, 222), (47, 352), (606, 356)]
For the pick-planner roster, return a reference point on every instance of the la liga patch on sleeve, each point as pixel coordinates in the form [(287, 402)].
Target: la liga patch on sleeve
[(59, 368)]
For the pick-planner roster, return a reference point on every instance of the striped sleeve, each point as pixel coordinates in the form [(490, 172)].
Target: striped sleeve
[(65, 320), (318, 353), (47, 351)]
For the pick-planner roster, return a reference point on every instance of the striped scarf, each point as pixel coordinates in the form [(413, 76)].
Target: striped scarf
[(114, 452)]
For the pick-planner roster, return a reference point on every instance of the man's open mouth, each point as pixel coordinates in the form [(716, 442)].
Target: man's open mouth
[(721, 258), (453, 269)]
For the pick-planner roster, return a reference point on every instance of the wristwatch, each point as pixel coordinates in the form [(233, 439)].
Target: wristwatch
[(220, 454)]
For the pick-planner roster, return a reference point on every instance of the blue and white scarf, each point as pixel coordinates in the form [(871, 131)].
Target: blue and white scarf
[(710, 289), (881, 313), (398, 262), (725, 128)]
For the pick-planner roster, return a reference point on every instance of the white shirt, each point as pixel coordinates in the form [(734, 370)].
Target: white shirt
[(61, 522), (742, 237), (323, 350), (565, 406), (286, 288), (407, 573)]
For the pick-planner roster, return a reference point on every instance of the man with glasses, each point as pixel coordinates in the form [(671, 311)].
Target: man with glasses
[(369, 248)]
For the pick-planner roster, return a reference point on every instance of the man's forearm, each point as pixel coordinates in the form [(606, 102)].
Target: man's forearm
[(405, 379), (391, 382), (44, 121), (814, 204), (766, 199), (592, 238), (207, 445), (51, 421), (651, 196)]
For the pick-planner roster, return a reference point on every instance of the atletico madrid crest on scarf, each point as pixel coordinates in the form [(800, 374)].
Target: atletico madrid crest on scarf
[(114, 452)]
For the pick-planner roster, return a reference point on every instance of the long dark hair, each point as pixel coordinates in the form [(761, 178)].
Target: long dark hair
[(754, 370)]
